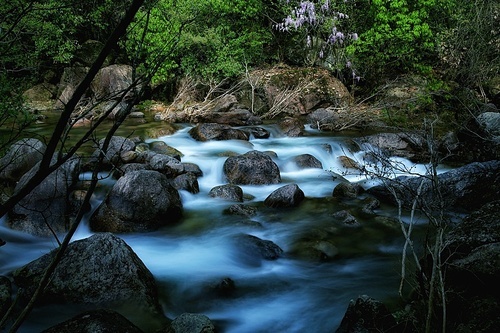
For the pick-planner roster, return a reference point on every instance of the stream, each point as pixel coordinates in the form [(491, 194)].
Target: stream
[(290, 294)]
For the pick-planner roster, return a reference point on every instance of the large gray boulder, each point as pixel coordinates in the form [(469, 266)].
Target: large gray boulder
[(286, 196), (254, 168), (142, 200), (98, 272), (468, 187), (46, 209), (113, 81), (20, 158), (213, 131)]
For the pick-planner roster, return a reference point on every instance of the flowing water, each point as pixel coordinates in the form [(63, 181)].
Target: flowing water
[(290, 294)]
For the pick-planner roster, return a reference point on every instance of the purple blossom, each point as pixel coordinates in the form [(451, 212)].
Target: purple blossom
[(313, 16)]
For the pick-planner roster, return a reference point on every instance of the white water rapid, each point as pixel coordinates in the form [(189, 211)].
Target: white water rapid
[(289, 294)]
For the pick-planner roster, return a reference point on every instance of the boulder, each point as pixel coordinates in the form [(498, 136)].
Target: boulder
[(254, 168), (161, 147), (475, 142), (225, 287), (408, 145), (168, 165), (70, 79), (46, 209), (188, 182), (347, 190), (117, 146), (191, 323), (471, 262), (257, 132), (367, 315), (193, 168), (346, 219), (468, 187), (306, 161), (490, 121), (20, 158), (95, 321), (233, 117), (241, 209), (227, 192), (112, 81), (130, 167), (473, 247), (99, 271), (142, 200), (252, 249), (286, 196), (213, 131), (298, 91), (480, 228), (349, 163), (291, 127), (323, 119), (41, 97)]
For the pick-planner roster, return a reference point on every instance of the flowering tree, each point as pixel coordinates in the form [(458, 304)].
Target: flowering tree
[(321, 26)]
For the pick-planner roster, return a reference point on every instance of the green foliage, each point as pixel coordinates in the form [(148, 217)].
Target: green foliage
[(14, 117), (208, 39), (398, 36), (469, 48), (50, 31)]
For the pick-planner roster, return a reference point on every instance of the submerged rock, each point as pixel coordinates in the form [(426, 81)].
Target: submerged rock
[(252, 249)]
